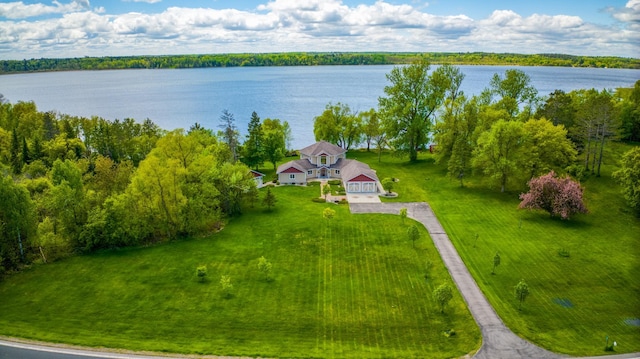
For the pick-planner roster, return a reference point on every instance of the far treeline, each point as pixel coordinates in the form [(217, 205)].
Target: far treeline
[(310, 59)]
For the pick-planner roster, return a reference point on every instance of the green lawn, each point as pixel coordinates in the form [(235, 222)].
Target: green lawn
[(575, 301), (352, 287)]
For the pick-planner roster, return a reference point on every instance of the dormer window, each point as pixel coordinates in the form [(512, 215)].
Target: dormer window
[(323, 160)]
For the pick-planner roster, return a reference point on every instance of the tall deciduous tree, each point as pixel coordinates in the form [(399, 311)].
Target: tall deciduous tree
[(337, 124), (498, 153), (67, 200), (409, 106), (455, 138), (559, 196), (232, 182), (17, 223), (548, 147), (629, 177), (371, 126), (597, 123), (288, 136), (172, 191), (274, 140), (513, 91), (629, 113), (559, 109)]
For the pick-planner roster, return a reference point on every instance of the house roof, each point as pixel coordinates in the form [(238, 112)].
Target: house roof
[(300, 165), (256, 173), (322, 147), (352, 170)]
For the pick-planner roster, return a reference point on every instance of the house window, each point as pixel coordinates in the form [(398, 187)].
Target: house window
[(323, 160), (310, 172), (337, 172), (292, 176)]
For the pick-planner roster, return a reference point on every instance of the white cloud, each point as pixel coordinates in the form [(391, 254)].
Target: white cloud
[(630, 13), (292, 25), (20, 10)]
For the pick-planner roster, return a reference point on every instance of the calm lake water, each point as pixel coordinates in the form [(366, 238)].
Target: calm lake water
[(179, 98)]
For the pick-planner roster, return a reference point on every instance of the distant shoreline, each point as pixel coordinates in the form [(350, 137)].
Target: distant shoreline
[(309, 59)]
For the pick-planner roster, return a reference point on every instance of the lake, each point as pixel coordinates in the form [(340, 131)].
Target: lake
[(178, 98)]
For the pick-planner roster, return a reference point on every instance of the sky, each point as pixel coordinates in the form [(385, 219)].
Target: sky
[(78, 28)]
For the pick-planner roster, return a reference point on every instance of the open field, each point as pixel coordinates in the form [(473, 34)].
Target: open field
[(575, 301), (352, 287)]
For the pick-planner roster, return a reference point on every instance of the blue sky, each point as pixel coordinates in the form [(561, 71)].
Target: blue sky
[(72, 28)]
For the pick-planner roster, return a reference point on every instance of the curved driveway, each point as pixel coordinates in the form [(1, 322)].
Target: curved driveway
[(498, 341)]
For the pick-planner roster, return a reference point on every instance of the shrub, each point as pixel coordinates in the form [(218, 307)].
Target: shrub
[(559, 196), (226, 287), (264, 266), (334, 182), (387, 184), (443, 294), (577, 171), (328, 213), (201, 273)]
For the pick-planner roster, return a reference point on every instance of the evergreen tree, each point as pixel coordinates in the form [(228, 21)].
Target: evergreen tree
[(269, 199), (26, 158), (230, 133), (253, 147), (16, 162), (37, 149)]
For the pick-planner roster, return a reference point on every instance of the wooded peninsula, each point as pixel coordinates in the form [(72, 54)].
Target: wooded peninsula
[(310, 59)]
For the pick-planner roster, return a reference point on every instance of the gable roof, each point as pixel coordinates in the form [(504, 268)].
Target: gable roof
[(353, 170), (299, 165), (322, 147)]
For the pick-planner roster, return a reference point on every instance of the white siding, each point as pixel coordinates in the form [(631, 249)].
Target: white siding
[(298, 178)]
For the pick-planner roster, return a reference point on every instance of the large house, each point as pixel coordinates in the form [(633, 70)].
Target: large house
[(325, 160)]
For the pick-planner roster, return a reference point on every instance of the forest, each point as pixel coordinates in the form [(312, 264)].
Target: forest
[(73, 184), (309, 59)]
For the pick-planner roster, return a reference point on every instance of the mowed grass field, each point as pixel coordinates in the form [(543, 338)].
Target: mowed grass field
[(349, 287), (575, 301)]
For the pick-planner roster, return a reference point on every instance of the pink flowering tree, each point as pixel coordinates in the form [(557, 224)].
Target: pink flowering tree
[(559, 196)]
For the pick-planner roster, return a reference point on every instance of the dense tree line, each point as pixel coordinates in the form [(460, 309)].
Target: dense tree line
[(308, 59), (73, 184)]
